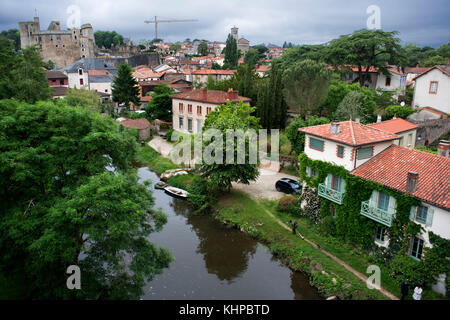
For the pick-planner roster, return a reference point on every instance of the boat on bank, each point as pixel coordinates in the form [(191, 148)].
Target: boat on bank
[(176, 192)]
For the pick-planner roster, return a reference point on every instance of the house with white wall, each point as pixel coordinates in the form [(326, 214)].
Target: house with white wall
[(432, 89), (189, 108), (405, 129), (396, 80), (422, 175)]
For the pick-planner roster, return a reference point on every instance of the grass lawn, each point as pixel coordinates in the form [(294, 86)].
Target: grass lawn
[(147, 156), (237, 208), (344, 251)]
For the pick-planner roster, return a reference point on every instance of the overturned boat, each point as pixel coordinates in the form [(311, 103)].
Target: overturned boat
[(176, 192), (161, 185)]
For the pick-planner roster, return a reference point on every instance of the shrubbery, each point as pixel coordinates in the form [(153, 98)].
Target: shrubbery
[(200, 195), (399, 111), (286, 202)]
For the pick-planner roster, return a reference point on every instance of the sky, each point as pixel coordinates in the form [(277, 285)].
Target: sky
[(259, 21)]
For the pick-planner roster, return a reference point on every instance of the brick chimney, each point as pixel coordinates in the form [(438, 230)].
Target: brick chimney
[(443, 148), (411, 182), (232, 94)]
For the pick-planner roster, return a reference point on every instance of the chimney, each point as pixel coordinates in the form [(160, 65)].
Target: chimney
[(443, 148), (334, 128), (204, 94), (411, 182), (378, 118), (357, 120), (395, 116)]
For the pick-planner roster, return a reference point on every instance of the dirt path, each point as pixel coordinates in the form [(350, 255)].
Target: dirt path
[(161, 146), (336, 259)]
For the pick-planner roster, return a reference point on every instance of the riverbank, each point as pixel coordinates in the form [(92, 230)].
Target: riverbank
[(332, 279)]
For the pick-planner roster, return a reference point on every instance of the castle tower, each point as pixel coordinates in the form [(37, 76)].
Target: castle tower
[(28, 32), (234, 33)]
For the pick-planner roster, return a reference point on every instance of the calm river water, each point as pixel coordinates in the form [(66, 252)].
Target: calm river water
[(216, 262)]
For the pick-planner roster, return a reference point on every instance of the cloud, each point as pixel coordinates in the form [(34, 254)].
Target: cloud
[(259, 21)]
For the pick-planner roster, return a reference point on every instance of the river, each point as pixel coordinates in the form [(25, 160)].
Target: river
[(216, 262)]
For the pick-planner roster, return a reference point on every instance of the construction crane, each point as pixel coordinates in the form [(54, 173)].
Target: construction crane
[(156, 21)]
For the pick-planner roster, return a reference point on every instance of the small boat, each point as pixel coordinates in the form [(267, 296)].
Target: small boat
[(176, 192), (160, 185)]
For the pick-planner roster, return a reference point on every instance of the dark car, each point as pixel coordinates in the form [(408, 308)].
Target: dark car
[(287, 185)]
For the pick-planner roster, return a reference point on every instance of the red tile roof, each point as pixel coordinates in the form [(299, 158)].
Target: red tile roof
[(146, 98), (415, 69), (98, 72), (394, 125), (443, 70), (211, 96), (213, 71), (391, 166), (350, 133), (145, 73), (136, 123)]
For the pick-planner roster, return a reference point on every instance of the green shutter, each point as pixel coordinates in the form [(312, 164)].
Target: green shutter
[(374, 199), (365, 153), (308, 171), (430, 214), (329, 180), (392, 204), (412, 213), (316, 144), (343, 185)]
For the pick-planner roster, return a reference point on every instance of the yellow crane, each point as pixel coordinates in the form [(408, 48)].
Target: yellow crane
[(156, 21)]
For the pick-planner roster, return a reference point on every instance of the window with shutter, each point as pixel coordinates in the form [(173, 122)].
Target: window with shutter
[(365, 153), (421, 214), (340, 151), (316, 144), (417, 248), (430, 215), (379, 234), (383, 201)]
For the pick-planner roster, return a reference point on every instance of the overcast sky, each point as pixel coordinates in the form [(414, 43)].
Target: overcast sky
[(260, 21)]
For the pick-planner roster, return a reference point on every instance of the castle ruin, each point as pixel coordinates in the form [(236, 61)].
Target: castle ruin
[(63, 47)]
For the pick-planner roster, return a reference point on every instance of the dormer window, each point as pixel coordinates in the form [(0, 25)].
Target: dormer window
[(365, 153)]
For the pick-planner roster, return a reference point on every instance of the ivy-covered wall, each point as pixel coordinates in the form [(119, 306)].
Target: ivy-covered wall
[(350, 224)]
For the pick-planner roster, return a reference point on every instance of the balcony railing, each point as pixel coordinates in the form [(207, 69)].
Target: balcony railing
[(377, 214), (330, 194)]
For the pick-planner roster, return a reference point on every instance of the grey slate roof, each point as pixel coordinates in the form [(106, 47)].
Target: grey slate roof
[(88, 64)]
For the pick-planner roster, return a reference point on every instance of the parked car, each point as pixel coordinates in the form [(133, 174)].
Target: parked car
[(287, 185)]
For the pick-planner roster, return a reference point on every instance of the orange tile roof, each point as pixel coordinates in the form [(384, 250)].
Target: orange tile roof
[(443, 70), (263, 68), (139, 124), (213, 71), (145, 73), (146, 98), (394, 125), (211, 96), (98, 72), (350, 133), (391, 166)]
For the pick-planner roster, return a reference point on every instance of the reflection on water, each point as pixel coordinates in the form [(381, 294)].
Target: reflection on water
[(216, 262)]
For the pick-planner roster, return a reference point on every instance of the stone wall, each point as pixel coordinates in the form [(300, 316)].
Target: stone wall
[(429, 131)]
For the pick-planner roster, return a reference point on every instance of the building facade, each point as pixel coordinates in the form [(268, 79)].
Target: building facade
[(432, 89), (189, 109), (63, 47)]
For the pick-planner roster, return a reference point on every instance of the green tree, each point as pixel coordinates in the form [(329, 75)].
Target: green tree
[(231, 53), (366, 49), (61, 206), (23, 76), (434, 61), (223, 118), (297, 138), (107, 38), (305, 85), (271, 106), (14, 35), (124, 88), (251, 57), (82, 97), (399, 111), (355, 104), (203, 48)]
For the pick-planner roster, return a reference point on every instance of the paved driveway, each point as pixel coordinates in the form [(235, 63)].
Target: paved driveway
[(264, 186)]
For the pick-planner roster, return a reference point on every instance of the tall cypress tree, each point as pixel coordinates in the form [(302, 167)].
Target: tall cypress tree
[(271, 107), (125, 89), (231, 53)]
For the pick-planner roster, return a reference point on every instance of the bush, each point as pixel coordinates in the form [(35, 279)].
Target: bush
[(200, 195), (398, 111), (286, 202), (403, 267), (135, 115), (328, 227), (169, 134)]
